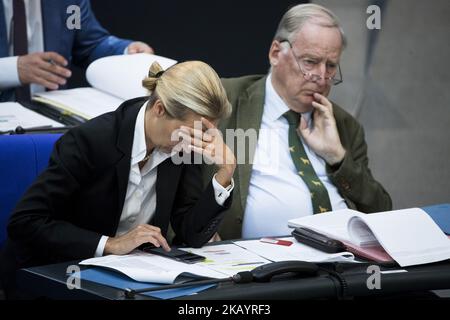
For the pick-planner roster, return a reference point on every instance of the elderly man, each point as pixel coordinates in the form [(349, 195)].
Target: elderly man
[(312, 156)]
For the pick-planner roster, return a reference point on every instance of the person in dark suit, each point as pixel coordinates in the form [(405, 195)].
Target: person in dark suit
[(39, 41), (116, 182)]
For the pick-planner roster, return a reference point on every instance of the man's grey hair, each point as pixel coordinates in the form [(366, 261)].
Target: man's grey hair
[(294, 19)]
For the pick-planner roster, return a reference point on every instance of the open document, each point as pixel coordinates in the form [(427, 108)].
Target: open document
[(221, 261), (147, 267), (114, 79), (13, 114), (409, 236), (228, 259)]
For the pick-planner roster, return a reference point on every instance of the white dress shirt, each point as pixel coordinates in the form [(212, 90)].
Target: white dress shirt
[(276, 192), (9, 76), (140, 200)]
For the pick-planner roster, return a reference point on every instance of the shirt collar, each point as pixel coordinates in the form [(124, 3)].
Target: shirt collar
[(276, 107), (139, 150)]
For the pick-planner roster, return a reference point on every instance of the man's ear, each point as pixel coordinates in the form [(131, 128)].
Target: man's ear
[(275, 53), (158, 109)]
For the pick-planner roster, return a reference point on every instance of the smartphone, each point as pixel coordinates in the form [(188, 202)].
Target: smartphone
[(317, 240), (176, 254)]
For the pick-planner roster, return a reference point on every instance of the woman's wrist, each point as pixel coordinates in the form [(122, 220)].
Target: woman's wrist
[(225, 174)]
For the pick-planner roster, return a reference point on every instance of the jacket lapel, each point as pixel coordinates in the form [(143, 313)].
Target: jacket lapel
[(52, 24), (127, 120), (166, 188), (249, 116)]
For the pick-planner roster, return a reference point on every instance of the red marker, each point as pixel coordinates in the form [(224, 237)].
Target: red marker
[(276, 241)]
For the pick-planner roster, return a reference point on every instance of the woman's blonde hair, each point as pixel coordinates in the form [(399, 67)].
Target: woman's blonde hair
[(191, 86)]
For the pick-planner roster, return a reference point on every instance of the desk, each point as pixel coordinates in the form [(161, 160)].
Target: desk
[(50, 281)]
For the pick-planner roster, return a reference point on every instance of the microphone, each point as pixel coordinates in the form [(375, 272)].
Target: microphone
[(21, 130)]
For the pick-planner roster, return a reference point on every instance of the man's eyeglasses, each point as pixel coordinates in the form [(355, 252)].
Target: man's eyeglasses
[(306, 65)]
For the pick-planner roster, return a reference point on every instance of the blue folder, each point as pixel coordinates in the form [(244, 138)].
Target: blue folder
[(121, 281), (440, 213)]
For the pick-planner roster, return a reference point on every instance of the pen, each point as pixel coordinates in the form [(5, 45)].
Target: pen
[(276, 241), (246, 263)]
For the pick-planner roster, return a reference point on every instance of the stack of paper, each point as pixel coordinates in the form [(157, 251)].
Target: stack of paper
[(13, 114)]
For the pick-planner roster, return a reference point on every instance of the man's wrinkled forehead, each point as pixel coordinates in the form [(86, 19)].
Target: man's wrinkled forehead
[(314, 37)]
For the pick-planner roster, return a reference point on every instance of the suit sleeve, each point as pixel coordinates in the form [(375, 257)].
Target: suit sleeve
[(197, 215), (355, 181), (92, 41), (40, 220)]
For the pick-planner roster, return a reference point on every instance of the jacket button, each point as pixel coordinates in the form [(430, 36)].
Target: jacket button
[(345, 185), (239, 220)]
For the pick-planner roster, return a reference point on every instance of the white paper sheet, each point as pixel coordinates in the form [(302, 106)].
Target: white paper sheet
[(146, 267), (13, 114), (122, 75), (85, 102), (228, 259), (296, 251)]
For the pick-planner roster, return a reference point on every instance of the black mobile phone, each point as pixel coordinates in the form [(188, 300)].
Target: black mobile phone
[(176, 254), (317, 240)]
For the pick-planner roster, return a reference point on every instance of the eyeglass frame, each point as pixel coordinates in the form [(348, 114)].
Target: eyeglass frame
[(312, 76)]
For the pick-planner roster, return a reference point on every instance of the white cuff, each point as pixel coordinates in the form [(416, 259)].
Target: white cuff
[(101, 246), (221, 194), (9, 76)]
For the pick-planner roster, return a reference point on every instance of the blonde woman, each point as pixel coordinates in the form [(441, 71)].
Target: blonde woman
[(111, 184)]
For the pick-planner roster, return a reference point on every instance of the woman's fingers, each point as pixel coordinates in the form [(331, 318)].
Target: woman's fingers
[(189, 140), (199, 134), (208, 123), (152, 234)]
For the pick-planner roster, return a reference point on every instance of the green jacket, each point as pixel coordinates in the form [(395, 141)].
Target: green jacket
[(352, 178)]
